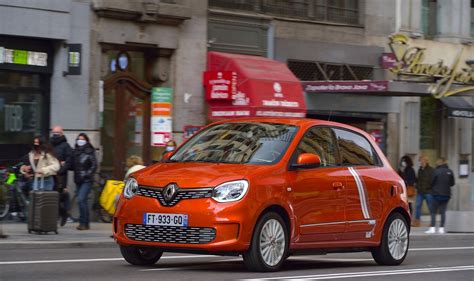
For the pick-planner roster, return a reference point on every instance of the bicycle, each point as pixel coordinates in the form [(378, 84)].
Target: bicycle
[(13, 197), (93, 199)]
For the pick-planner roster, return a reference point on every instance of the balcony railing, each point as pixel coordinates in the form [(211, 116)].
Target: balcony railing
[(337, 11)]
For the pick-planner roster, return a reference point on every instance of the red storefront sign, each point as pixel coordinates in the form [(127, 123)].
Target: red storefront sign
[(220, 85), (264, 88), (344, 86), (388, 60)]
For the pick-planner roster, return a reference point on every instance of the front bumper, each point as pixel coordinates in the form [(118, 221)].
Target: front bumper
[(213, 226)]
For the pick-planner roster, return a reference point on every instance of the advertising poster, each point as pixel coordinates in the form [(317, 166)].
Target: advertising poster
[(161, 115)]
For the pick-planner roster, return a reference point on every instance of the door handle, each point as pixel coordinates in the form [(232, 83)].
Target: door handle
[(337, 185)]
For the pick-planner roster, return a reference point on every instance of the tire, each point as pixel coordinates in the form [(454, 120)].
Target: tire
[(255, 259), (140, 256), (395, 242)]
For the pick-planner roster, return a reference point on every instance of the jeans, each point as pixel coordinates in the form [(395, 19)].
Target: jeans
[(46, 183), (82, 191), (441, 204), (419, 202)]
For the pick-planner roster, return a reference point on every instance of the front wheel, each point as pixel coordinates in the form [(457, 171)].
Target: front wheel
[(395, 241), (140, 256), (269, 247)]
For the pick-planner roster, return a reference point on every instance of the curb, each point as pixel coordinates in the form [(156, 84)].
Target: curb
[(6, 245)]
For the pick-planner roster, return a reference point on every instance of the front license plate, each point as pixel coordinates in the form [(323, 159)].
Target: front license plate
[(165, 219)]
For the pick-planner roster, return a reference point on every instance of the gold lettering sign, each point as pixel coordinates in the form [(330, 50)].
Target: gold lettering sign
[(410, 62)]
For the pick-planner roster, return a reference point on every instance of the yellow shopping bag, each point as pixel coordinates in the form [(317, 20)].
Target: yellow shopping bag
[(110, 195)]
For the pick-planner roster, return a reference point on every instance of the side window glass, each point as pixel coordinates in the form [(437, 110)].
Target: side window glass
[(319, 141), (354, 149)]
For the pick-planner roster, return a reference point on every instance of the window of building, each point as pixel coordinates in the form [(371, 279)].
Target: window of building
[(472, 18), (430, 126), (319, 141), (354, 149), (339, 11), (429, 22), (321, 71)]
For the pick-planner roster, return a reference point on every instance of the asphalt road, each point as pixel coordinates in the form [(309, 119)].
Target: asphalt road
[(448, 258)]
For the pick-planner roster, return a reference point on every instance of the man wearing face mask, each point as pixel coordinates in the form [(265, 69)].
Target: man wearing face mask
[(63, 152)]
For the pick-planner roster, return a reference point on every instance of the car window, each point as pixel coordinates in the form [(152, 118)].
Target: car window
[(252, 143), (354, 149), (319, 141)]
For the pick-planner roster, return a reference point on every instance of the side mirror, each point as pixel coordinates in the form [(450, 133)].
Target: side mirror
[(166, 156), (307, 161)]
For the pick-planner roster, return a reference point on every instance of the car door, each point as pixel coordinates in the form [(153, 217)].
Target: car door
[(316, 193), (364, 183)]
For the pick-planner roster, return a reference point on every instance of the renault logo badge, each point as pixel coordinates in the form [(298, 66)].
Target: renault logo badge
[(170, 191)]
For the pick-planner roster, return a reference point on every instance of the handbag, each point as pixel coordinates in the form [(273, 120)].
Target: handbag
[(110, 195), (411, 191)]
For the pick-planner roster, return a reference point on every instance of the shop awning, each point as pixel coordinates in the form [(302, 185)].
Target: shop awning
[(251, 86), (458, 107)]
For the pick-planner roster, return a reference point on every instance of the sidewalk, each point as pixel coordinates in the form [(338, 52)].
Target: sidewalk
[(99, 236)]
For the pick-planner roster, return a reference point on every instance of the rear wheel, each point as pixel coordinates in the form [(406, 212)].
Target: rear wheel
[(140, 256), (269, 247), (395, 241)]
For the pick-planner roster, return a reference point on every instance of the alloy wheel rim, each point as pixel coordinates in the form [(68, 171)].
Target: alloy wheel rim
[(272, 242), (397, 239)]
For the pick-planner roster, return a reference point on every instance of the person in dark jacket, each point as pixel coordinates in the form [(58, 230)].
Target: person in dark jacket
[(423, 188), (408, 175), (63, 152), (443, 179), (84, 164)]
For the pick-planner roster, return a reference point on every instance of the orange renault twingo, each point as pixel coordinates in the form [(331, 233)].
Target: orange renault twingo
[(267, 189)]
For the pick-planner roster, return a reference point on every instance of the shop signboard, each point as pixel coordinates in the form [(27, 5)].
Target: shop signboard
[(220, 85), (23, 57), (344, 86), (161, 115), (388, 60)]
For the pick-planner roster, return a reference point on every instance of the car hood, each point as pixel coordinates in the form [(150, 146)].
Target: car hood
[(193, 175)]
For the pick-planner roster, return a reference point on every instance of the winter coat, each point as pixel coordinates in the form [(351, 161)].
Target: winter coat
[(425, 179), (408, 175), (62, 151), (443, 179), (84, 163), (48, 165)]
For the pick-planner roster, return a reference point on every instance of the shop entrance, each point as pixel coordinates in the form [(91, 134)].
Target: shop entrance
[(125, 130)]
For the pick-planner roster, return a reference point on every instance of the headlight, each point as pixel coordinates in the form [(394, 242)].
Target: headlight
[(131, 188), (230, 191)]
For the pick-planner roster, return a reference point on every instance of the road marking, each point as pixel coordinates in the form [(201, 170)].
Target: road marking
[(209, 256), (370, 273)]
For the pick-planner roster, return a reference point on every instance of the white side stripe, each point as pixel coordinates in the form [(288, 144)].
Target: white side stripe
[(360, 187)]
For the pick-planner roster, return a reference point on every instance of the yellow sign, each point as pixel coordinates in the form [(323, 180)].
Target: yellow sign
[(410, 63)]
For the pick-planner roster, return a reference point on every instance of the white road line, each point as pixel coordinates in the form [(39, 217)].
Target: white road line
[(370, 273), (208, 256)]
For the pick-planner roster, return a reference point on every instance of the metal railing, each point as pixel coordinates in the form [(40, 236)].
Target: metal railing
[(340, 11)]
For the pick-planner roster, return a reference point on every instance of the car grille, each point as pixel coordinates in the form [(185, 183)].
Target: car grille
[(182, 194), (170, 234)]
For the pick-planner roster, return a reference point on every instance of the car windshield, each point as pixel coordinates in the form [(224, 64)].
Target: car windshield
[(252, 143)]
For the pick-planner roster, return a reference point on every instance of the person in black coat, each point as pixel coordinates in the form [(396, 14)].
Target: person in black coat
[(443, 179), (63, 152), (408, 175), (84, 164)]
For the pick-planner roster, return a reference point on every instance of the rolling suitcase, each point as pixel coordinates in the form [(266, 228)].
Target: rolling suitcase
[(43, 212)]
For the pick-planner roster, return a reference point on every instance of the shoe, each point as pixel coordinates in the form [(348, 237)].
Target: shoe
[(69, 220), (441, 230), (63, 220), (415, 223), (82, 227), (431, 230)]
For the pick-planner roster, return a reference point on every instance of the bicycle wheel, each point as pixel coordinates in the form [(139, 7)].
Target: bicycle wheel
[(4, 201)]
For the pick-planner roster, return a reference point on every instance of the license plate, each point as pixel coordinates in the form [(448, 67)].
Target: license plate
[(165, 219)]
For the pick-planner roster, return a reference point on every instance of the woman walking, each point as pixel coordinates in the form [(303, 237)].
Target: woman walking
[(84, 165), (40, 166)]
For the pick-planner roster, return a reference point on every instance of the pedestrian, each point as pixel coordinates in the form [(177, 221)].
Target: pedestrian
[(423, 188), (40, 166), (134, 163), (170, 147), (443, 179), (84, 164), (407, 173), (63, 152)]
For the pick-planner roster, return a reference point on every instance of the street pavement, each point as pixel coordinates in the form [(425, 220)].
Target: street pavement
[(92, 255)]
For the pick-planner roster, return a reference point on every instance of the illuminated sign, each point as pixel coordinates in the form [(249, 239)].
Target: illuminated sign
[(23, 57), (410, 62)]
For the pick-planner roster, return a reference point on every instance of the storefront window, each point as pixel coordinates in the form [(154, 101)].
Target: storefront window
[(430, 126)]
